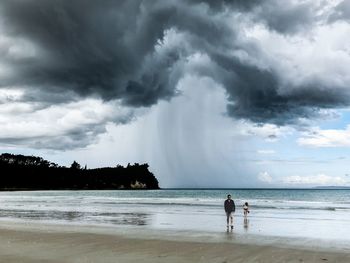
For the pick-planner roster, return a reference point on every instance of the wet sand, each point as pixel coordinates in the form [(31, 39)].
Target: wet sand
[(45, 243)]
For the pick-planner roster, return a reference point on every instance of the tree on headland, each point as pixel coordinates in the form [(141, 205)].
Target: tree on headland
[(25, 160), (75, 165)]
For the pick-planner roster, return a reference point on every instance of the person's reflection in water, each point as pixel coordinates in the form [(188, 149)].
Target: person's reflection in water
[(246, 223), (230, 236)]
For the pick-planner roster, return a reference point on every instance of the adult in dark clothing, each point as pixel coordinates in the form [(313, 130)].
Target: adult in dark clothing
[(230, 208)]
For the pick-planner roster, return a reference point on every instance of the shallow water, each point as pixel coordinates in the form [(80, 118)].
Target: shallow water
[(315, 214)]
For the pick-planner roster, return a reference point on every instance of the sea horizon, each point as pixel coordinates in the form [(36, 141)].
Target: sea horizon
[(316, 188)]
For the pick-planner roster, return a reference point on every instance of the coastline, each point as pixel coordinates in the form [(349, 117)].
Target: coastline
[(34, 242)]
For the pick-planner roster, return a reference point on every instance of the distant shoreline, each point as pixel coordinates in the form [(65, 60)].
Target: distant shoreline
[(257, 188)]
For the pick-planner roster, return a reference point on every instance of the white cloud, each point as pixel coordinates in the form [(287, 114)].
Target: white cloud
[(320, 179), (322, 55), (268, 132), (265, 177), (66, 125), (265, 151), (326, 138), (8, 95)]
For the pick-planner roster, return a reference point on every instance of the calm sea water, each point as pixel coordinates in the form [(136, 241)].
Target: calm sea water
[(319, 214)]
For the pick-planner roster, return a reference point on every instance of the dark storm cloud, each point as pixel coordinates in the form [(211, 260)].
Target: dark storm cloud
[(255, 95), (103, 48), (285, 17), (107, 49), (341, 12), (88, 47)]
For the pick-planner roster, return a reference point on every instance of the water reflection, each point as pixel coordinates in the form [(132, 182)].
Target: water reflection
[(246, 223), (37, 215), (134, 219)]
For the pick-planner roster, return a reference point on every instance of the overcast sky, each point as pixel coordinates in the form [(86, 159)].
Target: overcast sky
[(212, 93)]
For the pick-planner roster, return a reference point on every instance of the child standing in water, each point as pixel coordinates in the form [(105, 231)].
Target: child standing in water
[(246, 209)]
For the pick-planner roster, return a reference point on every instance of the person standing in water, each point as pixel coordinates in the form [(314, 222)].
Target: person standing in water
[(230, 208), (246, 209)]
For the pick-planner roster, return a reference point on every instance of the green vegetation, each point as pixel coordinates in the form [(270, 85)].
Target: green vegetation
[(20, 172)]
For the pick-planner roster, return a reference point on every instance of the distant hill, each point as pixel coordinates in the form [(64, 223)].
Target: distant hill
[(332, 187), (20, 172)]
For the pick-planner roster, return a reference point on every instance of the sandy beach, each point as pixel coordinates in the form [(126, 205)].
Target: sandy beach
[(50, 243)]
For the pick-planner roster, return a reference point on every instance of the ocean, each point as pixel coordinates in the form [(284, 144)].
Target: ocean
[(283, 213)]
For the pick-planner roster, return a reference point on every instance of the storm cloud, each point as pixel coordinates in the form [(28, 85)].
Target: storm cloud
[(134, 53)]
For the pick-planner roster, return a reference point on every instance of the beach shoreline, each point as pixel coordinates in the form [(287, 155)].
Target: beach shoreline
[(34, 242)]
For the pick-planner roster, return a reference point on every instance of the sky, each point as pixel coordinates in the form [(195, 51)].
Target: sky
[(211, 93)]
